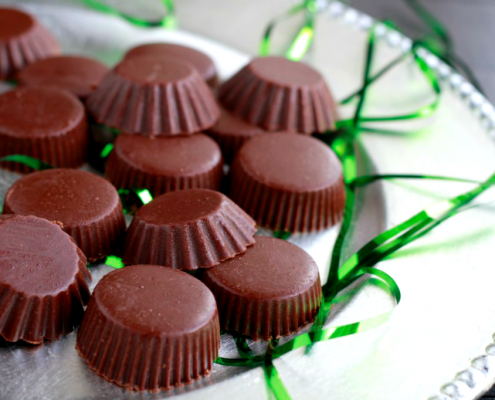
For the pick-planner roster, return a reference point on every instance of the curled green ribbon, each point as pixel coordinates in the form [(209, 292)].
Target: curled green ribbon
[(169, 21), (301, 43)]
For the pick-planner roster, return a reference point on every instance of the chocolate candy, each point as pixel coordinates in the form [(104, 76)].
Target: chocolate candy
[(231, 132), (86, 206), (199, 60), (22, 41), (280, 95), (271, 290), (163, 165), (154, 96), (150, 328), (79, 75), (188, 229), (43, 280), (288, 182), (45, 123)]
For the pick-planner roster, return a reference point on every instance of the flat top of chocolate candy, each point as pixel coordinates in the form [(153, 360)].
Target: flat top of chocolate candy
[(155, 299), (36, 256), (154, 69), (78, 75), (13, 23), (182, 155), (181, 206), (203, 64), (70, 196), (229, 124), (39, 112), (290, 161), (270, 269), (284, 72)]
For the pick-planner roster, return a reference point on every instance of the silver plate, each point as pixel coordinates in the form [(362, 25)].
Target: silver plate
[(448, 304)]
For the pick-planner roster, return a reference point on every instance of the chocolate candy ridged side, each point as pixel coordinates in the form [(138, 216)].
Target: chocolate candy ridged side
[(272, 319), (280, 95), (56, 131), (288, 182), (187, 230), (102, 238), (46, 318), (270, 291), (86, 206), (163, 165), (154, 96), (24, 41), (143, 363), (43, 295), (171, 342), (281, 210)]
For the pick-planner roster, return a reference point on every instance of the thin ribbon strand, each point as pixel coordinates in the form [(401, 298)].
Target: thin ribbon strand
[(34, 163), (168, 21)]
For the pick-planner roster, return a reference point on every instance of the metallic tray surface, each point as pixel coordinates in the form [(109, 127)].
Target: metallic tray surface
[(444, 319)]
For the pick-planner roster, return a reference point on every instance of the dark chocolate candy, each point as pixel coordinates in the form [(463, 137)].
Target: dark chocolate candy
[(188, 229), (87, 207), (43, 280), (231, 132), (79, 75), (150, 328), (22, 41), (288, 182), (154, 96), (199, 60), (45, 123), (271, 290), (280, 95), (163, 165)]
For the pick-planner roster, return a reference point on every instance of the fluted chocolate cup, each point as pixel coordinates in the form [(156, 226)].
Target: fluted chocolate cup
[(271, 290), (187, 230), (280, 95), (22, 41), (163, 165), (154, 96), (199, 60), (288, 182), (43, 280), (46, 123), (85, 205), (231, 132), (149, 328), (78, 75)]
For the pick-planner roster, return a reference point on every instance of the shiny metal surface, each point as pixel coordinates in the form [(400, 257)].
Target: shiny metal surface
[(445, 320)]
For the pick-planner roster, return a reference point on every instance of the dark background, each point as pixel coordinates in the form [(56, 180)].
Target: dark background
[(471, 24)]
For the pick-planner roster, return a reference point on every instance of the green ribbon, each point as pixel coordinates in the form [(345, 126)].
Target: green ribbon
[(114, 262), (106, 150), (169, 21), (301, 43), (27, 160), (134, 198)]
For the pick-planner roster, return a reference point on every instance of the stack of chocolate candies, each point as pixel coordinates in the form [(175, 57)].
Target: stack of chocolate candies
[(149, 327)]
